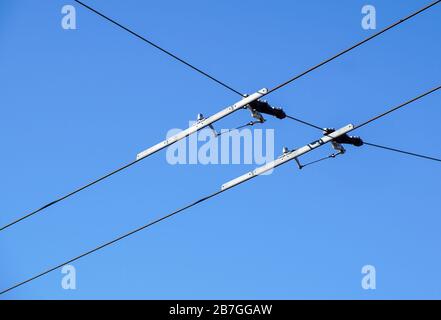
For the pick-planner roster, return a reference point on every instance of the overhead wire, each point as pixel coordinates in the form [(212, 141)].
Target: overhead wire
[(402, 151), (112, 241), (393, 25), (226, 86), (305, 122), (377, 117), (397, 107), (283, 84), (188, 64), (70, 194), (133, 232)]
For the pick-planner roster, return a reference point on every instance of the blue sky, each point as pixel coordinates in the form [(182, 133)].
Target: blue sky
[(77, 104)]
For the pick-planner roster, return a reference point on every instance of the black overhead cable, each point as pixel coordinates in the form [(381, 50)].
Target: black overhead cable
[(251, 123), (69, 195), (112, 241), (378, 116), (397, 107), (282, 84), (128, 234), (305, 123), (401, 151), (354, 46), (160, 48), (223, 84)]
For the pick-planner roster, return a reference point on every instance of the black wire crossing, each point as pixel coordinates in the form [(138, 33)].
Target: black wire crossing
[(212, 78), (149, 224)]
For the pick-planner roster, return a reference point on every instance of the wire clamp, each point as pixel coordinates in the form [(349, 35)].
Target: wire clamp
[(200, 118)]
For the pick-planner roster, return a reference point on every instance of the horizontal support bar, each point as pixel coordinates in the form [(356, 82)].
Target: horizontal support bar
[(202, 124), (287, 157)]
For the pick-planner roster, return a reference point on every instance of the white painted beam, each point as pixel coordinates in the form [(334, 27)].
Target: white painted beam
[(287, 157), (202, 124)]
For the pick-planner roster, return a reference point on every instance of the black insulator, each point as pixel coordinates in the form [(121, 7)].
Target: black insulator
[(264, 107), (345, 139)]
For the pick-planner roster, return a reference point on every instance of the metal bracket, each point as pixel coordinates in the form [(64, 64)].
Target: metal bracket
[(202, 124), (256, 114), (298, 163), (201, 118), (338, 147), (288, 156)]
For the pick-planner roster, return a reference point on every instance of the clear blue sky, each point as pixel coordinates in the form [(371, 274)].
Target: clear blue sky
[(77, 104)]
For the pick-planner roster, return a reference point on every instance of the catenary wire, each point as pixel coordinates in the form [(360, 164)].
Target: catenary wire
[(133, 162), (112, 241), (305, 123), (397, 107), (377, 116), (69, 195), (251, 123), (353, 47), (402, 151), (223, 84), (160, 48), (289, 80), (130, 233)]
